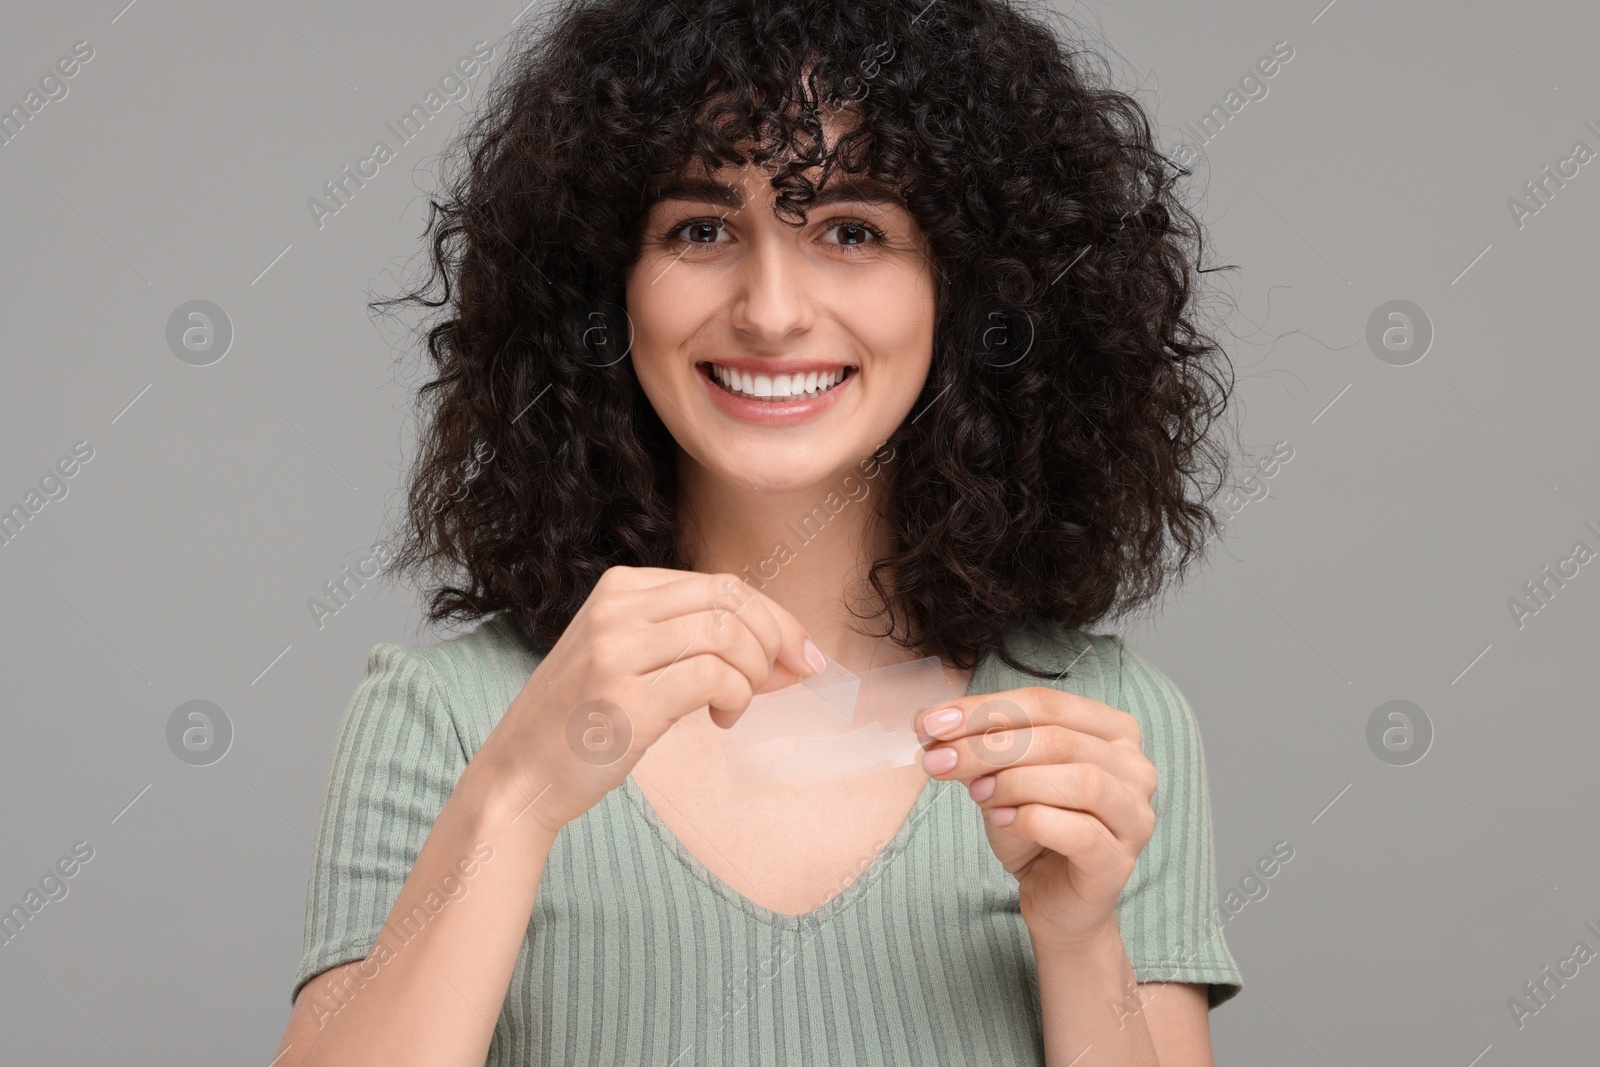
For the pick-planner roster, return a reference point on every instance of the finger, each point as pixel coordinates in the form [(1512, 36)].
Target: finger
[(725, 690), (1030, 705), (701, 634), (1084, 787), (726, 596), (1082, 838), (699, 680), (687, 636), (657, 594), (726, 661), (780, 633), (678, 639), (986, 753)]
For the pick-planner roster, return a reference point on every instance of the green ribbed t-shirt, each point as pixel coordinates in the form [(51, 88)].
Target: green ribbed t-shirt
[(637, 954)]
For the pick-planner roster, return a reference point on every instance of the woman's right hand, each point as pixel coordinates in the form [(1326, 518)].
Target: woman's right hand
[(648, 646)]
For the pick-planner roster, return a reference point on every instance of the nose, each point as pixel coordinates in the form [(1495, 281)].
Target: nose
[(774, 300)]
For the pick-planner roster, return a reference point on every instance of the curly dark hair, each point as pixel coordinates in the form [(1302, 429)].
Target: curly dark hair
[(1055, 472)]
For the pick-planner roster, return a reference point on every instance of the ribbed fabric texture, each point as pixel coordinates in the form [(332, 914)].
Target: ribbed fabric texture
[(637, 954)]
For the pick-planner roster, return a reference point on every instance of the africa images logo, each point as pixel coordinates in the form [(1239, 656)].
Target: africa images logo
[(454, 85)]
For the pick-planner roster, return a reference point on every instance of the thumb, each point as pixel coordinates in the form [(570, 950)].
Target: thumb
[(1012, 850), (780, 678)]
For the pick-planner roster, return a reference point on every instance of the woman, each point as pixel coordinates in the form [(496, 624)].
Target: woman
[(710, 270)]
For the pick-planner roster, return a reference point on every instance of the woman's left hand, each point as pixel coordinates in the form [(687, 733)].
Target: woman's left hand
[(1066, 792)]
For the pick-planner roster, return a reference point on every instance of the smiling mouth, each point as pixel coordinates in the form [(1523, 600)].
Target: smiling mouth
[(775, 388)]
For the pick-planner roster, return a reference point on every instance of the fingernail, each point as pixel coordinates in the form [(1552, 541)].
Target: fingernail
[(942, 722), (1002, 816), (939, 760), (981, 789), (814, 656)]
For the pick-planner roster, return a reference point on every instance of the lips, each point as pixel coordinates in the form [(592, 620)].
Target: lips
[(767, 387), (776, 410)]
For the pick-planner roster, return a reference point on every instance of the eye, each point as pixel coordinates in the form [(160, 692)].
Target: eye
[(858, 232), (699, 229), (855, 234)]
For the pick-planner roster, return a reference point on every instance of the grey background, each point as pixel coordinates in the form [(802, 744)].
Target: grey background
[(1419, 500)]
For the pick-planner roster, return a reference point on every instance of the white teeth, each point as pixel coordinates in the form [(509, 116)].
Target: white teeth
[(776, 387)]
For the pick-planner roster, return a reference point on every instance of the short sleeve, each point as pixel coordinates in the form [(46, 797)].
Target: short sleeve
[(396, 761), (1168, 910)]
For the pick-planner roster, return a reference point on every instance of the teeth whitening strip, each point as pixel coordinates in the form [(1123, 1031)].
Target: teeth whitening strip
[(834, 724)]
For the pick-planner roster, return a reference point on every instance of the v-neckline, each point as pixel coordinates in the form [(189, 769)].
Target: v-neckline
[(930, 792)]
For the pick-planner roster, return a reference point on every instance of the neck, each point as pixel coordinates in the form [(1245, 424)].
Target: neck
[(807, 550)]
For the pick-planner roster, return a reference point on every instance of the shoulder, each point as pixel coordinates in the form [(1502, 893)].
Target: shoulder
[(462, 684), (1074, 661), (1106, 668), (420, 714), (1166, 719), (493, 647)]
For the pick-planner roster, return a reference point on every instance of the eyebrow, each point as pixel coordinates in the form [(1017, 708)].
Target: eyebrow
[(716, 192)]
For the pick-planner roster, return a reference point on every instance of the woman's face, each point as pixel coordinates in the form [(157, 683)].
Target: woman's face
[(723, 289)]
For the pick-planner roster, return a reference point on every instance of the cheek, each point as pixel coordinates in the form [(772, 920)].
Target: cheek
[(894, 319), (660, 323)]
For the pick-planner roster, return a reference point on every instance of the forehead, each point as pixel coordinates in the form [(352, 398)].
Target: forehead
[(733, 187)]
